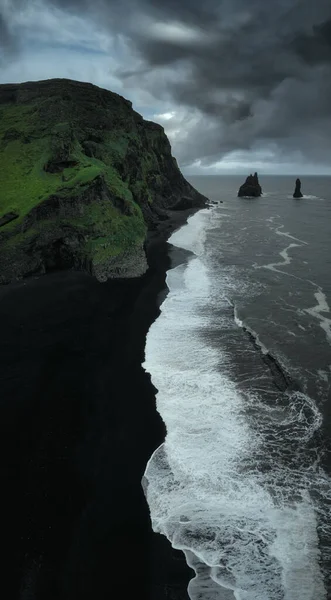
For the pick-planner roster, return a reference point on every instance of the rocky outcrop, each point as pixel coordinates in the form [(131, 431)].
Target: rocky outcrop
[(251, 187), (86, 177), (8, 217), (297, 191)]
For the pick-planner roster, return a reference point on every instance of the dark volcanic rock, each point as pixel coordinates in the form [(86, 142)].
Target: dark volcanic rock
[(297, 191), (183, 203), (251, 187)]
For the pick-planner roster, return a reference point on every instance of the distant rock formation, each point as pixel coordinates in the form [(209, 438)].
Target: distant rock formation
[(297, 191), (251, 187)]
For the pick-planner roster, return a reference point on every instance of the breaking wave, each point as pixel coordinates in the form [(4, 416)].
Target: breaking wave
[(237, 484)]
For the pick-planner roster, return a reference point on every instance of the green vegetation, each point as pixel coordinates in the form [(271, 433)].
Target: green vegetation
[(90, 156), (23, 182), (111, 232)]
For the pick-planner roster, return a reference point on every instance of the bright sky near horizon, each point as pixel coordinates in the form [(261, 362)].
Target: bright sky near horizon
[(238, 86)]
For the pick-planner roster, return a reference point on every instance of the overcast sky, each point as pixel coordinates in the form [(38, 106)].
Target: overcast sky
[(239, 85)]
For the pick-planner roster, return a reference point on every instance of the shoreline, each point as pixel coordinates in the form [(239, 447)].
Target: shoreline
[(78, 426)]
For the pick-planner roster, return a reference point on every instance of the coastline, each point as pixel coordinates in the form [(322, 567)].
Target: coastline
[(78, 425)]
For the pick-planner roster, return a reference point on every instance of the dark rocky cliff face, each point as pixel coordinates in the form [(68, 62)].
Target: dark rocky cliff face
[(85, 176)]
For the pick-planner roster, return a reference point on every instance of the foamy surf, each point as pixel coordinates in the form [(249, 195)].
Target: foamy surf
[(231, 484), (317, 311), (306, 197), (251, 331), (287, 259), (287, 234)]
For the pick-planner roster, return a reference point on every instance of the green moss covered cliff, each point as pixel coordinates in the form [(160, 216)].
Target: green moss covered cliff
[(82, 179)]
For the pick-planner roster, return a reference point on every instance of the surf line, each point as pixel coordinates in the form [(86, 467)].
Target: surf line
[(287, 260), (280, 376), (287, 234), (321, 307)]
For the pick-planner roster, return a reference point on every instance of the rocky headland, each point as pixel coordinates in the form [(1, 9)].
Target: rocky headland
[(251, 188), (87, 187), (83, 179)]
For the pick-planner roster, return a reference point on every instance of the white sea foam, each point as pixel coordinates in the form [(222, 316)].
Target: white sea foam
[(192, 236), (253, 333), (316, 311), (324, 376), (285, 256), (287, 234), (230, 485), (307, 197), (287, 259)]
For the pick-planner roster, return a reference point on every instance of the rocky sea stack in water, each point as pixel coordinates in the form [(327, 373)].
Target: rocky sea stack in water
[(251, 187), (83, 179), (297, 191)]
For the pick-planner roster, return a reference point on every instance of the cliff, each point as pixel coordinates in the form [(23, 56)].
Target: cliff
[(83, 179)]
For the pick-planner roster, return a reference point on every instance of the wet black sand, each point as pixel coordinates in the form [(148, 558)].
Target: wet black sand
[(77, 426)]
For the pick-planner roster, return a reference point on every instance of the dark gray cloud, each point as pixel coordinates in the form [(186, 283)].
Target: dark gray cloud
[(7, 41), (4, 33), (253, 74)]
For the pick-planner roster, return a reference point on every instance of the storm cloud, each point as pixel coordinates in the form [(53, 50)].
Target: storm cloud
[(226, 78)]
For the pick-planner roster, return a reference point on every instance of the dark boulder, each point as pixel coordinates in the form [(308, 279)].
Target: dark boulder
[(251, 187), (297, 191)]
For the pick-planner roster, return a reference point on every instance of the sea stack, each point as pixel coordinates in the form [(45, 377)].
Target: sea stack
[(297, 191), (251, 187)]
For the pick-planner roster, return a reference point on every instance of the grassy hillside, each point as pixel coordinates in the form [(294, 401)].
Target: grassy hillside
[(77, 161)]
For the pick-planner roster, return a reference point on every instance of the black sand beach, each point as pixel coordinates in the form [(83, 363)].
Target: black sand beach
[(78, 425)]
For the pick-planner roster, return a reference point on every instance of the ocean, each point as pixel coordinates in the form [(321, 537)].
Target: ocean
[(241, 358)]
